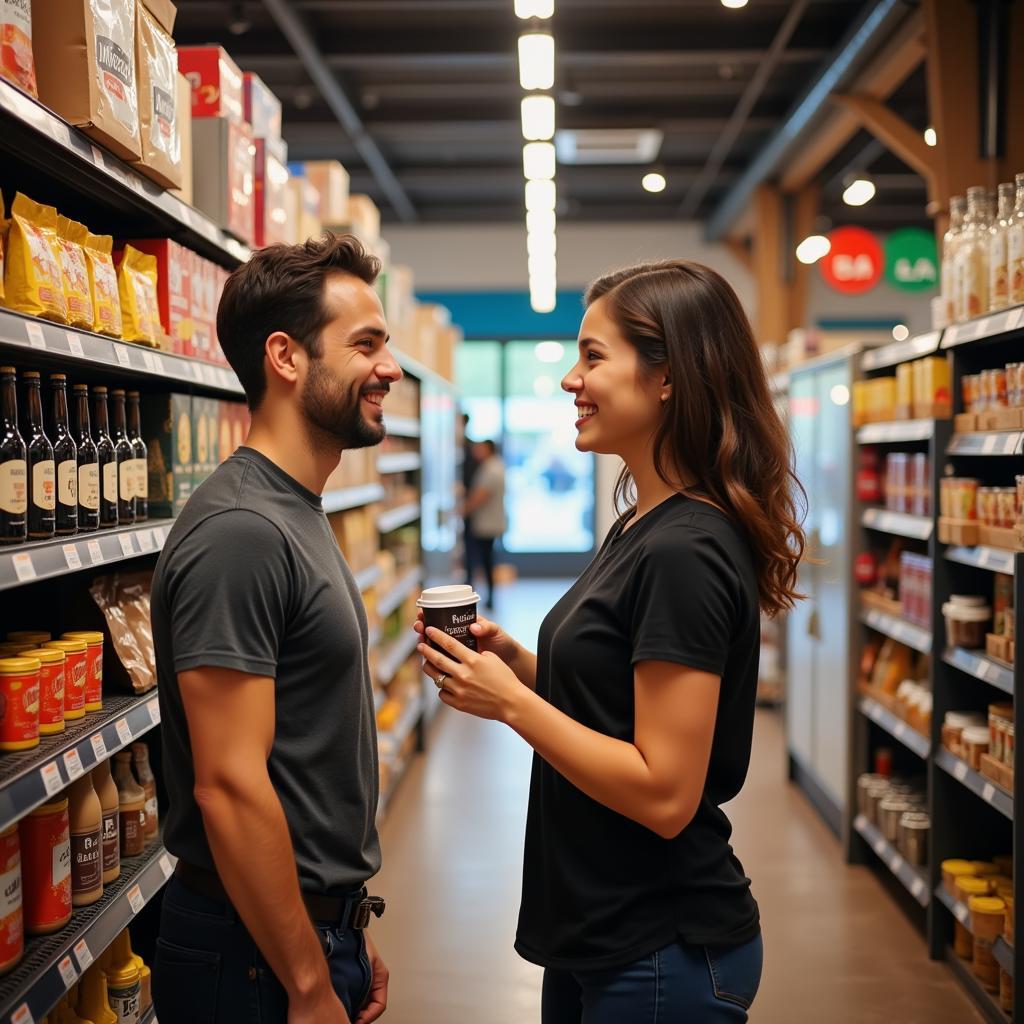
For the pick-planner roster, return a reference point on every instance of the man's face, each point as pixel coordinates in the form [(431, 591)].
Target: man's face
[(343, 393)]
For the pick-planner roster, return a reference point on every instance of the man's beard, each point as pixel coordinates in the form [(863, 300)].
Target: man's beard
[(337, 417)]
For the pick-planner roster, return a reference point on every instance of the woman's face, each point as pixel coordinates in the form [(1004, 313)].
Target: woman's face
[(618, 406)]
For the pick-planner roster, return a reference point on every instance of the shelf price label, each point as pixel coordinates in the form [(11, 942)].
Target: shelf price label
[(68, 973), (145, 538), (960, 771), (83, 955), (73, 765), (154, 711), (916, 887), (23, 567), (135, 900), (123, 356), (988, 792), (71, 557), (962, 913), (124, 732), (127, 547), (52, 782), (165, 866), (22, 1015), (99, 747), (74, 344), (896, 863), (36, 338), (880, 845), (95, 552)]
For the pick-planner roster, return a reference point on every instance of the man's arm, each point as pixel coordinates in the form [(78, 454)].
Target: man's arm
[(231, 724)]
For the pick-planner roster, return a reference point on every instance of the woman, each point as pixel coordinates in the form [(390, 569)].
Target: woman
[(640, 700)]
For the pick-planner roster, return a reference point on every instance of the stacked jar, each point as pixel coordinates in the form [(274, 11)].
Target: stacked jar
[(897, 808)]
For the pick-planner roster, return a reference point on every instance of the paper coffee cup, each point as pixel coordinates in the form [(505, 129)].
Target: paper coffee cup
[(452, 610)]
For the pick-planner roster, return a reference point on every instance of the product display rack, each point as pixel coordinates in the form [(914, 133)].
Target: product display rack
[(971, 815)]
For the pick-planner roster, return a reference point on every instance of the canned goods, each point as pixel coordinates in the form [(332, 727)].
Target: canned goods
[(12, 928), (28, 636), (51, 689), (45, 836), (1006, 498), (988, 506), (19, 703), (94, 667), (75, 670)]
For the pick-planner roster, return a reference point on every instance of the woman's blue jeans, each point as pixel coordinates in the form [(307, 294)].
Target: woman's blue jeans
[(681, 984)]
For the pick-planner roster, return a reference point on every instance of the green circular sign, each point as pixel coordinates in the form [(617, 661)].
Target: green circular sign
[(912, 260)]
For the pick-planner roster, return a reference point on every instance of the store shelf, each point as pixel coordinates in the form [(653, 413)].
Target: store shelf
[(395, 656), (398, 462), (1004, 952), (912, 878), (956, 907), (899, 523), (40, 137), (992, 442), (352, 497), (896, 432), (416, 369), (994, 559), (992, 794), (368, 577), (983, 328), (46, 559), (895, 727), (44, 341), (149, 1017), (396, 518), (897, 628), (985, 1001), (395, 738), (402, 426), (53, 963), (901, 351), (395, 597), (28, 778), (981, 666)]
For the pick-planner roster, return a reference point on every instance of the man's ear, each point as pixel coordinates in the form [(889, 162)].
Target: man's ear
[(281, 351)]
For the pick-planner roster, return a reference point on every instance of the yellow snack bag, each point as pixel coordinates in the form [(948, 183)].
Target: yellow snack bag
[(136, 284), (5, 225), (32, 276), (75, 272), (106, 303)]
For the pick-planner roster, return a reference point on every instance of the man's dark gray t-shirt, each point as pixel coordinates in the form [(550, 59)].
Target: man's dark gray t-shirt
[(251, 579)]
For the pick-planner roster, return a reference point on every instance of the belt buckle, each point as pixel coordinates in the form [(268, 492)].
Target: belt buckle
[(369, 905)]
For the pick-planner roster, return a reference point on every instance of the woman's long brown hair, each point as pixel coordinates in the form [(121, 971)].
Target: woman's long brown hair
[(720, 433)]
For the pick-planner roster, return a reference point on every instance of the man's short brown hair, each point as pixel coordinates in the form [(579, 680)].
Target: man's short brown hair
[(281, 288)]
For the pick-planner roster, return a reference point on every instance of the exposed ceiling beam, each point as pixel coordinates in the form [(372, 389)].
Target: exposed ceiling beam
[(660, 90), (298, 35)]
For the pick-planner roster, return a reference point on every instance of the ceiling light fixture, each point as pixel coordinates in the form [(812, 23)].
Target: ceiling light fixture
[(536, 60), (930, 138), (860, 189), (812, 248), (541, 245), (549, 351), (539, 161), (541, 266), (541, 221), (538, 114), (734, 5), (540, 195), (535, 8), (900, 332), (654, 182)]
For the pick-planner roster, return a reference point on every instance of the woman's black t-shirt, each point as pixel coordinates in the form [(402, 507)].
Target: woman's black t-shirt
[(600, 890)]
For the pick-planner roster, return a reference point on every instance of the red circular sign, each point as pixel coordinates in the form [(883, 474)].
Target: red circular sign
[(855, 262)]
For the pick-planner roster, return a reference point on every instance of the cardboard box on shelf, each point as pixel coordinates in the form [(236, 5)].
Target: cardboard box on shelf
[(202, 335), (331, 180), (222, 178), (306, 200), (205, 435), (167, 431), (448, 340), (271, 180), (400, 299), (86, 69), (157, 62), (174, 278), (430, 320), (216, 82), (183, 96), (16, 64), (262, 110), (364, 217)]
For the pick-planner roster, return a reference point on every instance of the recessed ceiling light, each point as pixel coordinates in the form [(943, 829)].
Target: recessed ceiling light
[(538, 114), (540, 195), (539, 161), (812, 248), (535, 8), (654, 182), (734, 5), (536, 60), (859, 190)]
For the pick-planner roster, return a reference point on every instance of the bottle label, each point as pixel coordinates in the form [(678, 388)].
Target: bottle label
[(44, 485), (111, 841), (10, 891), (61, 866), (133, 832), (67, 483), (14, 487), (110, 482), (151, 810), (1015, 262), (126, 1002), (89, 486), (86, 862), (126, 472), (141, 479)]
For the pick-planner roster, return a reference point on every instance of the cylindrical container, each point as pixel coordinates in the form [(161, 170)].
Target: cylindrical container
[(51, 689), (952, 870), (890, 810), (19, 703), (914, 829), (12, 926), (45, 837), (875, 795), (76, 667), (1009, 932), (1005, 991), (144, 773), (1006, 504), (110, 802), (975, 742), (94, 666), (965, 503), (864, 783), (132, 805), (987, 916), (28, 636), (86, 817), (452, 610), (966, 621), (124, 981)]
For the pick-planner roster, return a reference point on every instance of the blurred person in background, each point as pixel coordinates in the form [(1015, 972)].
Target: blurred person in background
[(639, 703), (485, 509), (468, 469)]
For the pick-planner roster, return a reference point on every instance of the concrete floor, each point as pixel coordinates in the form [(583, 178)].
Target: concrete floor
[(837, 950)]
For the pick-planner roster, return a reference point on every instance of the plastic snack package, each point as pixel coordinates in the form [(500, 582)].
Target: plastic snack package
[(17, 64), (32, 275), (106, 303), (140, 309), (75, 272), (124, 600)]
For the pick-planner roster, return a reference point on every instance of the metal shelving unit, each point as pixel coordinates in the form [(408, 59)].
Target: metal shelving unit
[(895, 727), (911, 877)]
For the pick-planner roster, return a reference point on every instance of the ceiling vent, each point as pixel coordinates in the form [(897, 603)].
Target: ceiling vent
[(608, 145)]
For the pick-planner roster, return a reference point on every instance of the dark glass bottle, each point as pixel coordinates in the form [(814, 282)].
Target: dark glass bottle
[(125, 459), (141, 458), (13, 468), (107, 460), (88, 463), (65, 457), (42, 476)]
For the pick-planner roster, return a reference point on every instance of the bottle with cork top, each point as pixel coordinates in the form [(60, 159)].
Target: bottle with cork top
[(88, 463), (65, 456), (132, 805), (141, 458), (42, 474), (13, 465), (107, 460), (125, 458), (110, 802), (144, 774), (86, 815)]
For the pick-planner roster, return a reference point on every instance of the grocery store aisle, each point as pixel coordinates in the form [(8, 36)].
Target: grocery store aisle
[(837, 948)]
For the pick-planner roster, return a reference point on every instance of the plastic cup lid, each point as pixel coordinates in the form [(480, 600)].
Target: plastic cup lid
[(966, 613), (967, 600), (454, 596)]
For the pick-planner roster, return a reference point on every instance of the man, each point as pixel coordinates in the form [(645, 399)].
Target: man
[(270, 757), (468, 471), (485, 508)]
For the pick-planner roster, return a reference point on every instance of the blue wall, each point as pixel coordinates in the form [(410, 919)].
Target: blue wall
[(508, 314)]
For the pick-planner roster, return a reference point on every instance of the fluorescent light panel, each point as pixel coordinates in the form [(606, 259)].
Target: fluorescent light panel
[(538, 113), (540, 195), (539, 161), (535, 8), (536, 60)]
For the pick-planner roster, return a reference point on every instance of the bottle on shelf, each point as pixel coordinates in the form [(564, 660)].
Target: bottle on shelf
[(88, 463), (124, 980), (132, 805), (950, 241), (125, 458), (42, 482), (110, 802), (107, 461), (13, 466), (972, 256), (999, 235), (65, 457), (1015, 246), (147, 780), (145, 976), (141, 458), (93, 999), (86, 816)]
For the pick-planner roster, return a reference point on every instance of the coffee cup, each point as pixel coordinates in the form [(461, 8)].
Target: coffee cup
[(451, 609)]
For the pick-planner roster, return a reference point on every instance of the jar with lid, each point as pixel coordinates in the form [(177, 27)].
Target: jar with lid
[(110, 802), (890, 810), (93, 667), (975, 742), (967, 618), (46, 867), (971, 266), (76, 671), (864, 782), (913, 838), (19, 707), (51, 689), (987, 916)]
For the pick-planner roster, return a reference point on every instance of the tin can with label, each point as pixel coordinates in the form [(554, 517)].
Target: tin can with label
[(19, 703)]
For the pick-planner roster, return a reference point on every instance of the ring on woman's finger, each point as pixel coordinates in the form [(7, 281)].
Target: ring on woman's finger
[(439, 681)]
